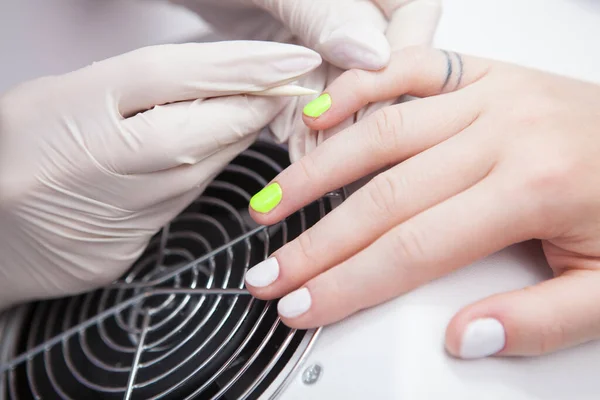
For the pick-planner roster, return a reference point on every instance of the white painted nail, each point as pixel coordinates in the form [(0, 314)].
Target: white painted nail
[(357, 47), (263, 273), (295, 303), (482, 338)]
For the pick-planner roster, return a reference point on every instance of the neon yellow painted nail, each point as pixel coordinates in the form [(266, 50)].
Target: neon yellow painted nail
[(267, 199), (318, 106)]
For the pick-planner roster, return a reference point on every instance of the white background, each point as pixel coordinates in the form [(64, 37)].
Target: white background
[(39, 37)]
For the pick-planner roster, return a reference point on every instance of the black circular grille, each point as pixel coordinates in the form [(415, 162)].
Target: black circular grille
[(179, 324)]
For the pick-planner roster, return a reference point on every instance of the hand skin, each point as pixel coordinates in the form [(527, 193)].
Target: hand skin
[(491, 154)]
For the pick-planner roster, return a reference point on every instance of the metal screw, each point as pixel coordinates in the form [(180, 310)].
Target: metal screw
[(312, 374)]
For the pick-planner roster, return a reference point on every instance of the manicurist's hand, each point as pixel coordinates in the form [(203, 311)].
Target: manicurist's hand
[(94, 162), (492, 154), (346, 33)]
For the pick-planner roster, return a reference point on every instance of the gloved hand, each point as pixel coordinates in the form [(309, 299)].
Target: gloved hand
[(94, 162), (347, 33)]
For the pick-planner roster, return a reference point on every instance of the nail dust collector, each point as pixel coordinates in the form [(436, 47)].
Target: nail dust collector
[(179, 324)]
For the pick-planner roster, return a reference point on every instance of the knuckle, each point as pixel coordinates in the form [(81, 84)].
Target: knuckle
[(309, 168), (304, 245), (382, 196), (407, 244), (539, 108), (547, 184), (357, 77), (547, 181), (361, 83), (553, 334), (387, 123), (550, 333)]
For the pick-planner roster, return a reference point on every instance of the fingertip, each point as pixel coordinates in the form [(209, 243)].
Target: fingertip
[(455, 329), (258, 293), (475, 333), (259, 218), (452, 338), (309, 121), (362, 47)]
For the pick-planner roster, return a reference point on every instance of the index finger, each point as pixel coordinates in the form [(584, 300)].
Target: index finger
[(416, 71), (385, 138)]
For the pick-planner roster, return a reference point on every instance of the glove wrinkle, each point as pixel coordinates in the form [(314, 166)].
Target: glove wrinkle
[(83, 190)]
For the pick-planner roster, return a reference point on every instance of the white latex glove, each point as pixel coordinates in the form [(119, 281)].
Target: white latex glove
[(91, 166), (410, 23), (347, 33)]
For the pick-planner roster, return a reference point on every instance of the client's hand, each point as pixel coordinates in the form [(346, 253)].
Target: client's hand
[(494, 154)]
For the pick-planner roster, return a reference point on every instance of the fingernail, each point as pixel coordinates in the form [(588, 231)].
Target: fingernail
[(482, 338), (357, 47), (263, 273), (295, 303), (267, 199), (318, 106)]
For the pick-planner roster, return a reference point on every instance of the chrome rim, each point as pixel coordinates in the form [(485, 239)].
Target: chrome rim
[(180, 323)]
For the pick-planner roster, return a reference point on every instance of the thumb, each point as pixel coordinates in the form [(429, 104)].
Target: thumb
[(186, 133), (552, 315), (139, 80), (412, 23), (348, 35)]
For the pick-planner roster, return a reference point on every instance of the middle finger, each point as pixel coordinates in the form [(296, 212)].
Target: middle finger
[(389, 199), (385, 138)]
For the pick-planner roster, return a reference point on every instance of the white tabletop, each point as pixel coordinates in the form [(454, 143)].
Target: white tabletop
[(41, 37)]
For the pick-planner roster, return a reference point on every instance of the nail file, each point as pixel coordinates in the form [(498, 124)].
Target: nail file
[(285, 90)]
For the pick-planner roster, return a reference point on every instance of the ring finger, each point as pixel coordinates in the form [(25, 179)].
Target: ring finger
[(390, 198), (454, 233)]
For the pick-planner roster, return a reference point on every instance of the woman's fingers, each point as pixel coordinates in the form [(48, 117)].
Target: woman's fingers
[(416, 71), (466, 227), (554, 314), (389, 199), (384, 138)]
